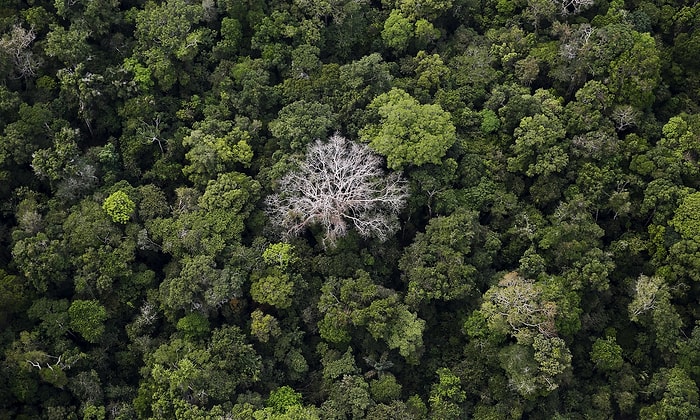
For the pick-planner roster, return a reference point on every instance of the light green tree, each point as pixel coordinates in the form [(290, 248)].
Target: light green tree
[(398, 31), (446, 396), (280, 254), (408, 132), (119, 207), (686, 220), (283, 398)]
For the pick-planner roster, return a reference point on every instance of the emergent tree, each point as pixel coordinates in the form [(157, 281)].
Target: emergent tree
[(340, 183)]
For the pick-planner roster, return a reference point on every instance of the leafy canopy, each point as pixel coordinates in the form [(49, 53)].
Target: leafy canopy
[(119, 207), (409, 133)]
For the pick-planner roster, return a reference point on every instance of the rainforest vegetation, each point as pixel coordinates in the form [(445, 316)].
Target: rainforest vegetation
[(349, 209)]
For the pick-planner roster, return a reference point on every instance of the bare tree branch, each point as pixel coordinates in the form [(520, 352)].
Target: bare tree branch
[(340, 183), (16, 45)]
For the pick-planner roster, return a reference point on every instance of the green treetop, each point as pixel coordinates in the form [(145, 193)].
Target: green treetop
[(119, 207), (409, 133)]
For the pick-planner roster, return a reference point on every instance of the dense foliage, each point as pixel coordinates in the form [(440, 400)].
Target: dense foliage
[(509, 226)]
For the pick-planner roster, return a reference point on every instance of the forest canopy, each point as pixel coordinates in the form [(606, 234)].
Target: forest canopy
[(348, 209)]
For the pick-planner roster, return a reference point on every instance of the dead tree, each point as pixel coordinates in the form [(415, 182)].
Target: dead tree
[(339, 184), (15, 45)]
